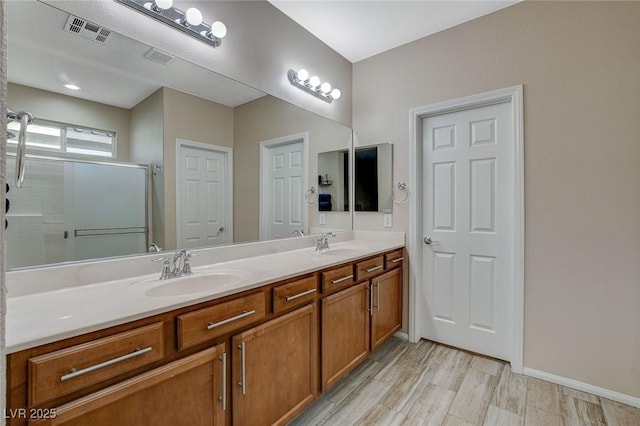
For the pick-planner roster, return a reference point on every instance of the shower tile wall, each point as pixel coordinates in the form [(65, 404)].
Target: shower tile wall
[(35, 234)]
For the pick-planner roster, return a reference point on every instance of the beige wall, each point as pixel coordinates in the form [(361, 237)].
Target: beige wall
[(261, 46), (67, 109), (146, 147), (269, 118), (195, 119), (580, 66)]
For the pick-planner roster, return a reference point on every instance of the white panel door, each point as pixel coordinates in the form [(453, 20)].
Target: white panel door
[(202, 198), (285, 191), (467, 263)]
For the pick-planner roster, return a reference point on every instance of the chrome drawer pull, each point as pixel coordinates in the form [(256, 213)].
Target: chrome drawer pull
[(375, 268), (76, 373), (339, 280), (223, 398), (304, 293), (213, 325), (400, 259)]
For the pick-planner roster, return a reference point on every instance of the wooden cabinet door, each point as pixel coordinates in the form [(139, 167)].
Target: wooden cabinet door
[(186, 392), (275, 369), (345, 332), (387, 306)]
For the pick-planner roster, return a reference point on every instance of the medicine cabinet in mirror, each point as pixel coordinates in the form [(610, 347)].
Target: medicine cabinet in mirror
[(333, 181), (191, 139), (373, 178)]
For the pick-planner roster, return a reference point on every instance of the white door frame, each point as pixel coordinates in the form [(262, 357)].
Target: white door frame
[(513, 95), (228, 152), (265, 146)]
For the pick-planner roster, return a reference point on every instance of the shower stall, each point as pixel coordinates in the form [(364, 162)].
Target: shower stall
[(71, 210)]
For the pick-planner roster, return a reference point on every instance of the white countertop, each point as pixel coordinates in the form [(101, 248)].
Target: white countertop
[(47, 316)]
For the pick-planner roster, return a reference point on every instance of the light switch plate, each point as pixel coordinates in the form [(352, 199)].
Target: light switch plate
[(388, 220), (322, 218)]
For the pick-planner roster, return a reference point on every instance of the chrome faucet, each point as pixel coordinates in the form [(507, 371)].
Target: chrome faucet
[(179, 266), (298, 233), (153, 248), (322, 242)]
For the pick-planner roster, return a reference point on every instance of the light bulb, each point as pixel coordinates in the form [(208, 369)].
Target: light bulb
[(325, 88), (193, 16), (336, 93), (218, 29), (303, 75), (163, 4), (314, 81)]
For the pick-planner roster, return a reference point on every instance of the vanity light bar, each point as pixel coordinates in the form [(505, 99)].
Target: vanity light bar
[(312, 85), (189, 22)]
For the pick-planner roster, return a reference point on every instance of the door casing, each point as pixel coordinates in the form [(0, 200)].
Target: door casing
[(513, 95)]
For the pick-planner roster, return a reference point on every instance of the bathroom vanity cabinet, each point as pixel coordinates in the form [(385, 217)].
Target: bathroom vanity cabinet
[(258, 357)]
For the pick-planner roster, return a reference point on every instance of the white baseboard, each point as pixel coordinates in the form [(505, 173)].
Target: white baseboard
[(401, 335), (584, 387)]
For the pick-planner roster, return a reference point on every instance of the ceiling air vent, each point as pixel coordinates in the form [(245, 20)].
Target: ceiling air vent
[(86, 29), (159, 56)]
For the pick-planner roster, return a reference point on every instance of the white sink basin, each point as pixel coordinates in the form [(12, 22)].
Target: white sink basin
[(342, 251), (197, 283)]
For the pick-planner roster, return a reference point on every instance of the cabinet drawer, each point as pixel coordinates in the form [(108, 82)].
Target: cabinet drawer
[(61, 372), (337, 279), (293, 294), (206, 324), (393, 259), (369, 268)]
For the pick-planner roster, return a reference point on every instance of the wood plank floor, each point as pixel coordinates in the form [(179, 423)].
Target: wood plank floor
[(430, 384)]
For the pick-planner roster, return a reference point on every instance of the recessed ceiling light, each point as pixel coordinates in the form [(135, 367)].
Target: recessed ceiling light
[(71, 86)]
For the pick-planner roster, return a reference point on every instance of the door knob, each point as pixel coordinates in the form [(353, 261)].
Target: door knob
[(221, 229), (428, 240)]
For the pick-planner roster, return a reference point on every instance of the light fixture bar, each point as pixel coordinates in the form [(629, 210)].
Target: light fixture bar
[(309, 85), (177, 19)]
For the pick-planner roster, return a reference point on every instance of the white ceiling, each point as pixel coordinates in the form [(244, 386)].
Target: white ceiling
[(43, 55), (358, 29)]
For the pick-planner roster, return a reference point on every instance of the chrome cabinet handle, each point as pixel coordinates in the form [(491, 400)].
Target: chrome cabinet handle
[(223, 398), (243, 372), (25, 119), (400, 259), (428, 240), (378, 297), (75, 373), (370, 300), (339, 280), (375, 268), (304, 293), (245, 314)]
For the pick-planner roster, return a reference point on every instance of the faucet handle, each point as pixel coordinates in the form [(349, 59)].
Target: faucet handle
[(186, 266), (166, 267)]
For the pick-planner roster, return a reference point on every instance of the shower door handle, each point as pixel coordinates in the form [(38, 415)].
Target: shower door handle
[(25, 119)]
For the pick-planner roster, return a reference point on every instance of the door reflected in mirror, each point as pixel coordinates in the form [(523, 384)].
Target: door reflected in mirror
[(374, 178), (333, 181)]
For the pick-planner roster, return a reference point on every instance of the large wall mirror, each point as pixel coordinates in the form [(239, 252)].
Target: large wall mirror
[(131, 146)]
